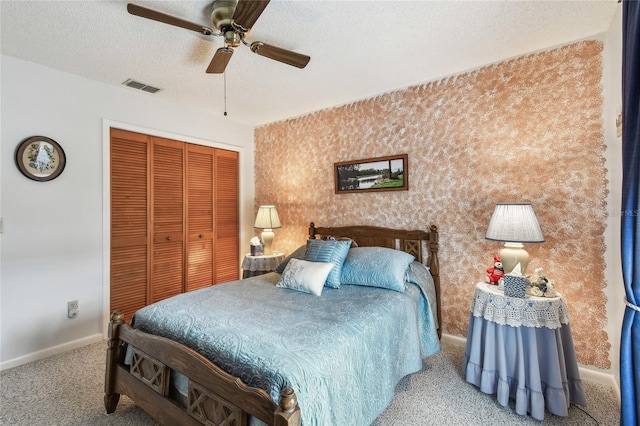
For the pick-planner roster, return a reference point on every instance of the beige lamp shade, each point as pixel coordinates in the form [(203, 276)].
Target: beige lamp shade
[(514, 224), (267, 219)]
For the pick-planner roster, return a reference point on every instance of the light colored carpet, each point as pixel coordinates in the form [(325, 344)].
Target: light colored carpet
[(67, 389)]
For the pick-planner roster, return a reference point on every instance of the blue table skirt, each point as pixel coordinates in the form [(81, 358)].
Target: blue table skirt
[(534, 366)]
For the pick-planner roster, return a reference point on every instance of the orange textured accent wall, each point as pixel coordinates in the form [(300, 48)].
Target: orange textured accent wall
[(525, 130)]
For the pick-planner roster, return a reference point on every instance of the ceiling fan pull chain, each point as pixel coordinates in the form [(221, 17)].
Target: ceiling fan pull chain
[(225, 94)]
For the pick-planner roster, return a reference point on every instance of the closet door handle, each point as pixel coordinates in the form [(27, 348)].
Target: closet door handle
[(169, 238)]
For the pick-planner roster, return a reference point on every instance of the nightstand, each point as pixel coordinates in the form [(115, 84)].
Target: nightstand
[(522, 349), (257, 265)]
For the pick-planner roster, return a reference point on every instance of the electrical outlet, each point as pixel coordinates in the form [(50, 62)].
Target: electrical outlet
[(72, 309)]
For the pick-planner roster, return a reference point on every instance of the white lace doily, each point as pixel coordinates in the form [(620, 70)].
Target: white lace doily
[(490, 303), (262, 263)]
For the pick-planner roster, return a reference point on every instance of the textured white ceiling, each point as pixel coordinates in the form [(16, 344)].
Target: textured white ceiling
[(358, 49)]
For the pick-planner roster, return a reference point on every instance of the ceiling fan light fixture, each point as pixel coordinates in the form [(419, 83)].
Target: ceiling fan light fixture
[(231, 38)]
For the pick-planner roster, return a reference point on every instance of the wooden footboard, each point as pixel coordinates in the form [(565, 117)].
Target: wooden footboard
[(214, 396)]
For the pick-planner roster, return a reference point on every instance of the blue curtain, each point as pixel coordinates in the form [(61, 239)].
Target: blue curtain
[(630, 232)]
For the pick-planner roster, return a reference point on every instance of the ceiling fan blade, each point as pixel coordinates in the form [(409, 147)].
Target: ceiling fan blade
[(276, 53), (154, 15), (220, 60), (247, 12)]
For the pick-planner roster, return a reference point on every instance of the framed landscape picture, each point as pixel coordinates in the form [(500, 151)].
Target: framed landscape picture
[(372, 174)]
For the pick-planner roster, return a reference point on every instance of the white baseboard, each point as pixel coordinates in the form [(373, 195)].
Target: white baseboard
[(54, 350), (454, 340), (601, 377)]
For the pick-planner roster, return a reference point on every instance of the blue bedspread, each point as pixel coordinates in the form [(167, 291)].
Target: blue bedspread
[(342, 352)]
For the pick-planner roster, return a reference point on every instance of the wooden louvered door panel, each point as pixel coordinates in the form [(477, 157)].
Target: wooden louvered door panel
[(174, 218), (227, 226), (130, 239), (167, 221), (200, 201)]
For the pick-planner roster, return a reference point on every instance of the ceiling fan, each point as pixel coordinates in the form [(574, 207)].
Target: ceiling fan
[(232, 19)]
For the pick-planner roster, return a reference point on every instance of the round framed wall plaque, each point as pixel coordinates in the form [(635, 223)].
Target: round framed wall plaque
[(40, 158)]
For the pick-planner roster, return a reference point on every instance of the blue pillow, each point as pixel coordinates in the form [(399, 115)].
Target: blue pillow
[(376, 267), (329, 251)]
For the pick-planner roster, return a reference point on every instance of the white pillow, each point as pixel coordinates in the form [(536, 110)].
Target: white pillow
[(305, 276)]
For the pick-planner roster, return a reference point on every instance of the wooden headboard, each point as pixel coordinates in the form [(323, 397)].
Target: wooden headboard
[(420, 244)]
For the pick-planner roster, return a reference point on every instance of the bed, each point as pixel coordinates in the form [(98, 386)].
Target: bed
[(237, 353)]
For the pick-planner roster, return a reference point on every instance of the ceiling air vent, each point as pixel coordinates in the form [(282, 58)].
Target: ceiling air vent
[(141, 86)]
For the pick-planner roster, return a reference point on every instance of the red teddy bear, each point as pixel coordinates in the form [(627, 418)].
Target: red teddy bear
[(496, 272)]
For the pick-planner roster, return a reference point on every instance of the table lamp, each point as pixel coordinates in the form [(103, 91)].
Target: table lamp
[(267, 219), (514, 224)]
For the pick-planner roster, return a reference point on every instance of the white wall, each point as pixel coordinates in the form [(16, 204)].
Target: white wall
[(52, 245), (612, 83)]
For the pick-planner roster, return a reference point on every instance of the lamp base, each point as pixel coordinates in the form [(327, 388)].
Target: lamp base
[(511, 255), (267, 239)]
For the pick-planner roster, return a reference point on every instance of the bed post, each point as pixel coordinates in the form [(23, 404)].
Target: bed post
[(434, 266), (111, 398), (288, 412), (312, 231)]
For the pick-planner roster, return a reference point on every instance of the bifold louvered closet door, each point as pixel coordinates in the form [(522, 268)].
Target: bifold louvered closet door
[(174, 218)]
